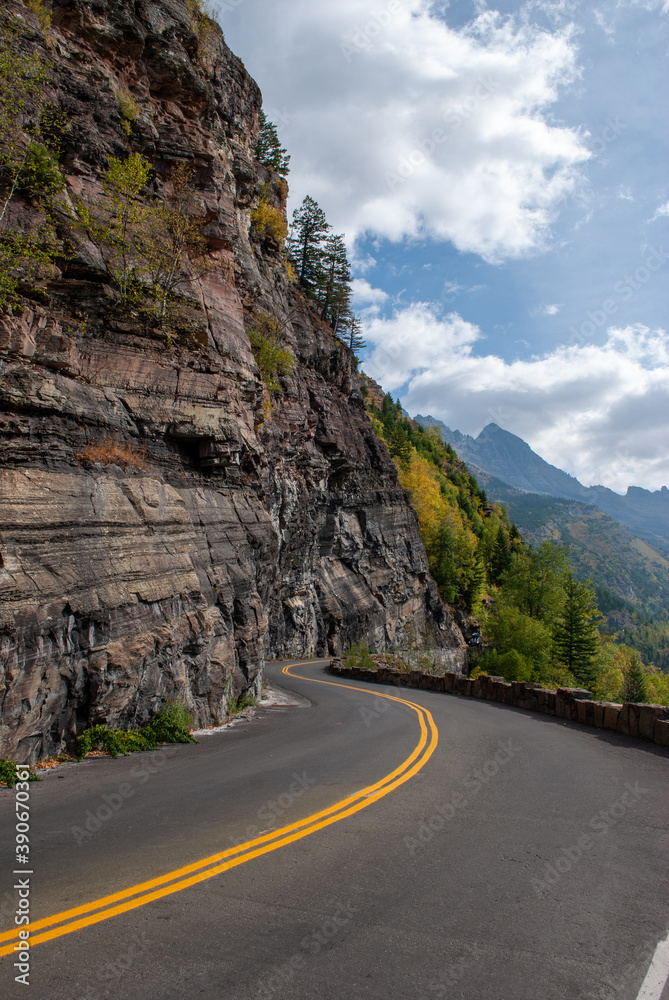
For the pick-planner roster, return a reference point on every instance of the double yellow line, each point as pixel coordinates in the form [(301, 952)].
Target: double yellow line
[(145, 892)]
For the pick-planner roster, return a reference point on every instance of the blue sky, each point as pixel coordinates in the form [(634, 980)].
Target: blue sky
[(500, 173)]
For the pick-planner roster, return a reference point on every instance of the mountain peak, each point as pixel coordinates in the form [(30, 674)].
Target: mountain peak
[(506, 456)]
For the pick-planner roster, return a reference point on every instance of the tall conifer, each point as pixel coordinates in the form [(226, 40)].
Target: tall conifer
[(269, 150), (576, 635), (306, 243)]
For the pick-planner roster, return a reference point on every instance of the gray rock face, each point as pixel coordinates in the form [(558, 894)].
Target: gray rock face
[(163, 531)]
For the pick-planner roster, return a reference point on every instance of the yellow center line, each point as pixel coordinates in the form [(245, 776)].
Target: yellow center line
[(199, 871)]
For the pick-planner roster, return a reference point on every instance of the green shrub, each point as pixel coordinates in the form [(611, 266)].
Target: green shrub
[(24, 259), (268, 221), (554, 676), (113, 741), (507, 628), (272, 359), (171, 725), (358, 655), (41, 13), (245, 700), (129, 110), (203, 26), (8, 769), (40, 173), (512, 665)]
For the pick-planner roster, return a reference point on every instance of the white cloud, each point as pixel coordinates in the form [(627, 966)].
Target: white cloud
[(363, 264), (663, 210), (549, 310), (597, 411), (451, 289), (453, 137), (366, 299), (365, 295)]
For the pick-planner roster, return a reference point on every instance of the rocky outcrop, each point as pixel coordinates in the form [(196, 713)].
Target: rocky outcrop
[(165, 526)]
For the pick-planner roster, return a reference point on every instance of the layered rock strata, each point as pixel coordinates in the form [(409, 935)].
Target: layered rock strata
[(165, 524)]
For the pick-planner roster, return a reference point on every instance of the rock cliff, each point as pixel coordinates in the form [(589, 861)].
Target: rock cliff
[(165, 526)]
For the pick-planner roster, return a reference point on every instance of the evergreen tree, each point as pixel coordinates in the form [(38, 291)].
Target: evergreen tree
[(576, 635), (320, 262), (635, 689), (334, 284), (306, 243), (352, 337), (269, 150), (500, 559)]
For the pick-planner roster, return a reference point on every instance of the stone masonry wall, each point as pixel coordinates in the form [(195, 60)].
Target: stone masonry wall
[(646, 722)]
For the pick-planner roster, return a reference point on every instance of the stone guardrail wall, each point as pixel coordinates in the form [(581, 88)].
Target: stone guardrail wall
[(450, 660), (646, 722)]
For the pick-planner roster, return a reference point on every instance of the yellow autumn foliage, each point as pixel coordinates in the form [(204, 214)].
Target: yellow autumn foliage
[(421, 479)]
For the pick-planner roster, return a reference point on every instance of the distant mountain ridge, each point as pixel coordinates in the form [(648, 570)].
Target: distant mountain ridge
[(507, 457)]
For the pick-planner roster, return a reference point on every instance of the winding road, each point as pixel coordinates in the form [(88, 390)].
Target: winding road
[(364, 842)]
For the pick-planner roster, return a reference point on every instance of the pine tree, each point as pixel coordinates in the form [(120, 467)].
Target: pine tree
[(576, 635), (306, 243), (399, 445), (334, 285), (500, 559), (269, 150), (635, 689), (352, 337)]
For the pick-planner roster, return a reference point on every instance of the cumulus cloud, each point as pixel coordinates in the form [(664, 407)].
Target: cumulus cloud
[(365, 296), (453, 138), (597, 411)]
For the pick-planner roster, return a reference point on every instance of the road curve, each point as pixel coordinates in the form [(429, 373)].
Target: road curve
[(366, 843)]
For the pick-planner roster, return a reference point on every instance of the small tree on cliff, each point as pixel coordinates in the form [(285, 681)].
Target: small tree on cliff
[(352, 336), (269, 150), (29, 132), (147, 245), (118, 224), (177, 251)]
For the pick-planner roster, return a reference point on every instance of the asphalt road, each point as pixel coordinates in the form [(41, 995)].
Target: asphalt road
[(520, 858)]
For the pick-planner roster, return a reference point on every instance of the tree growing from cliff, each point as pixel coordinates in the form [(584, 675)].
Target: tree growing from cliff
[(306, 243), (204, 28), (177, 252), (118, 224), (319, 261), (29, 131), (333, 286), (269, 151), (149, 246), (273, 359), (352, 336)]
